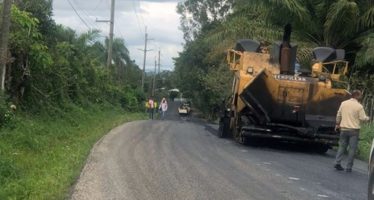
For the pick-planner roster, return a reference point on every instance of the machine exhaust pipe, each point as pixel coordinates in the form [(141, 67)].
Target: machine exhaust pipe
[(285, 52)]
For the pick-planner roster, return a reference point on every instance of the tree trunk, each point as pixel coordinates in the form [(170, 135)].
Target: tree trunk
[(4, 40)]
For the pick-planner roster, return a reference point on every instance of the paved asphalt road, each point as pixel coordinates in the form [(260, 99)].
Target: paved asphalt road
[(184, 159)]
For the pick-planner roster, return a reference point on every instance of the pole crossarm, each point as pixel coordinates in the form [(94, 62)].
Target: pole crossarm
[(111, 29), (145, 49), (102, 20)]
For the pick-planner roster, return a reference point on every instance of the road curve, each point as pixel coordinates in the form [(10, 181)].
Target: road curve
[(181, 159)]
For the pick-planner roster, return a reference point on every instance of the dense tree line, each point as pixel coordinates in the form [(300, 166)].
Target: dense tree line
[(50, 66), (211, 28)]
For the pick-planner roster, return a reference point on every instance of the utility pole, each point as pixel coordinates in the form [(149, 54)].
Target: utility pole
[(111, 29), (145, 55), (7, 4), (154, 79), (158, 73), (110, 46), (159, 55)]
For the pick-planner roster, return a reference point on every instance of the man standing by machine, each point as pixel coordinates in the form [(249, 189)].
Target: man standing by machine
[(350, 114)]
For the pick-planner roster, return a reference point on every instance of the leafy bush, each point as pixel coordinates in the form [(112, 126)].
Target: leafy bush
[(366, 138), (6, 113), (133, 99)]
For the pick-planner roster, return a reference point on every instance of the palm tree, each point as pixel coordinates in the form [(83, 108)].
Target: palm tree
[(121, 59), (342, 24)]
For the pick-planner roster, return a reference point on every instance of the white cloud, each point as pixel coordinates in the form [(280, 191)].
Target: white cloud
[(131, 17)]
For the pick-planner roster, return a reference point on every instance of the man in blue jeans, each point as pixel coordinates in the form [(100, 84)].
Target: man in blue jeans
[(350, 114)]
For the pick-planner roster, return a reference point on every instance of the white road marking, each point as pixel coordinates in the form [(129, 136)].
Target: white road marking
[(322, 196), (293, 178)]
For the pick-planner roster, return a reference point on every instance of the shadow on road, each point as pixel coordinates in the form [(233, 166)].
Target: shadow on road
[(267, 144), (284, 146)]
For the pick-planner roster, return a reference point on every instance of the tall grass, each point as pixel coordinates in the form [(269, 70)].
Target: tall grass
[(41, 156), (366, 137)]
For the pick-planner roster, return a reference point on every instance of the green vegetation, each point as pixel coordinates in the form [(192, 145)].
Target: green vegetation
[(366, 138), (50, 66), (59, 99), (40, 157)]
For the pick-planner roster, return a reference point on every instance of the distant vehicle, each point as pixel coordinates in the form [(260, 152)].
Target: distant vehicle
[(188, 105), (184, 109), (371, 174)]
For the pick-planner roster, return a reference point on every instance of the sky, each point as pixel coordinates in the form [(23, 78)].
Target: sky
[(131, 18)]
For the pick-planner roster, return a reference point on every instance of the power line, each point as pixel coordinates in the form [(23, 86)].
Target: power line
[(76, 12), (98, 4), (87, 14), (137, 16), (85, 22), (108, 5), (84, 13), (141, 17), (120, 33), (92, 24)]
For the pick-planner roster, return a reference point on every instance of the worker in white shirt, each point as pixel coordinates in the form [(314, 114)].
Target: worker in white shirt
[(348, 119), (163, 107)]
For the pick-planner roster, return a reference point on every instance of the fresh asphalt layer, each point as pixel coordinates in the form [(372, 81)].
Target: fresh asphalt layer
[(181, 158)]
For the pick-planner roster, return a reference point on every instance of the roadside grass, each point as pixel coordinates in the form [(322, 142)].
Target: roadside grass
[(366, 137), (42, 156)]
